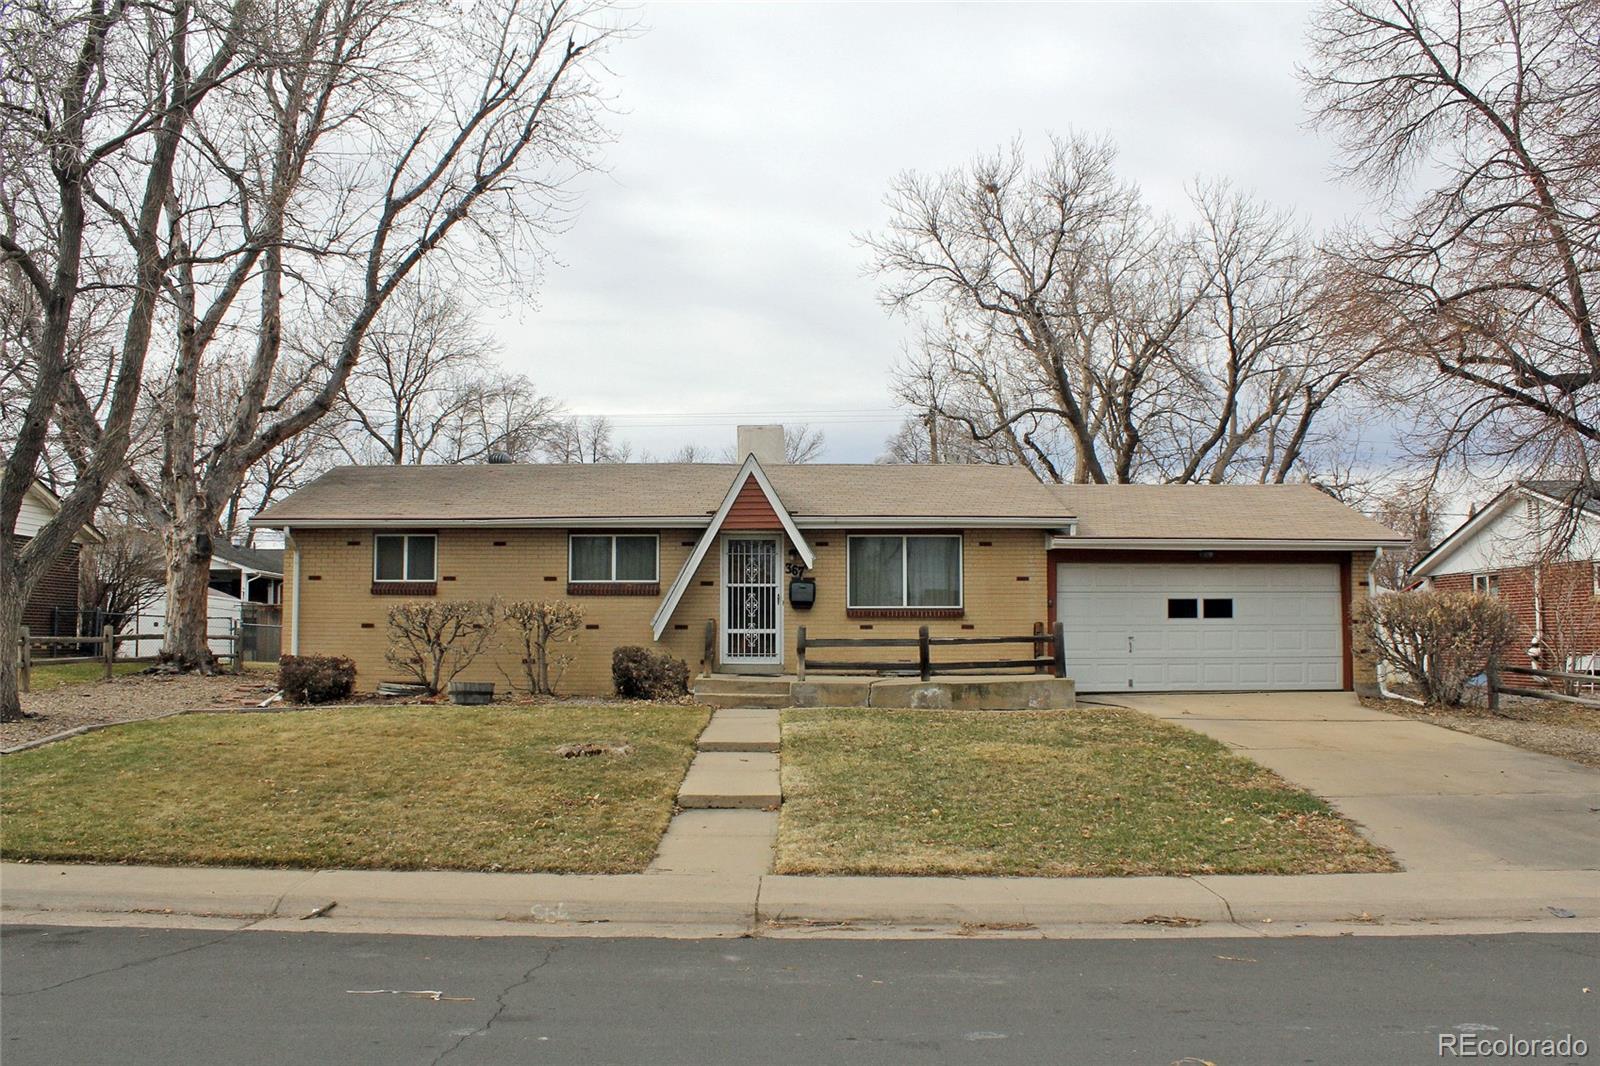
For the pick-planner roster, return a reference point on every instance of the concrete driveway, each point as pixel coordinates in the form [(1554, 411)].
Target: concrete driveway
[(1440, 800)]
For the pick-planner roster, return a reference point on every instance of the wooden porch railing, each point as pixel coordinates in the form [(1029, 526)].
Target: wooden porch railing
[(1040, 661), (1497, 686)]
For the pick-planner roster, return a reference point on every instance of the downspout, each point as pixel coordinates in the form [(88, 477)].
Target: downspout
[(294, 605), (1383, 664)]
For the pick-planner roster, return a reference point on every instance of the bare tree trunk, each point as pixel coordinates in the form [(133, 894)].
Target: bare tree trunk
[(188, 551), (11, 603)]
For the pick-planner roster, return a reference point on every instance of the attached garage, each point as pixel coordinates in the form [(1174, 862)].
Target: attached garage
[(1187, 626), (1220, 587)]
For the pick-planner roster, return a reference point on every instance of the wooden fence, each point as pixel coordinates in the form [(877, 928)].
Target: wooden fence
[(1568, 680), (107, 642), (1041, 661)]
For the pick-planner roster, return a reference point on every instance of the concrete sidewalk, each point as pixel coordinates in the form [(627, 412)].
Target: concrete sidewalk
[(697, 904)]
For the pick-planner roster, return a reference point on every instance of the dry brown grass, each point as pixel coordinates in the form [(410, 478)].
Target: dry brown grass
[(1082, 792), (474, 788), (1548, 726)]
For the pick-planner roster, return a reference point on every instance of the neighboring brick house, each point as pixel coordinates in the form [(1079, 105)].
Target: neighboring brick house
[(52, 609), (1160, 587), (1535, 546)]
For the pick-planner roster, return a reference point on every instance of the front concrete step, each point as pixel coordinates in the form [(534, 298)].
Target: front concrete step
[(753, 683), (742, 699), (731, 780), (741, 729)]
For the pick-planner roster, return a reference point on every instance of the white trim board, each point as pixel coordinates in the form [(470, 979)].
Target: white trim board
[(680, 584)]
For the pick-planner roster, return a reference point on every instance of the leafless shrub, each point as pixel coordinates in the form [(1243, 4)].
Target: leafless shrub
[(538, 628), (1440, 640), (434, 640)]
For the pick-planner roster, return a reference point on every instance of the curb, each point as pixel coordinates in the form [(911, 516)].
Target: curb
[(697, 905)]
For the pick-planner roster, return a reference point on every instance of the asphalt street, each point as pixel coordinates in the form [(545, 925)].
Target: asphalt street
[(132, 996)]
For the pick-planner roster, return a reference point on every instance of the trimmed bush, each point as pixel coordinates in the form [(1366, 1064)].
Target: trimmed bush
[(641, 674), (316, 678), (1440, 640), (434, 640)]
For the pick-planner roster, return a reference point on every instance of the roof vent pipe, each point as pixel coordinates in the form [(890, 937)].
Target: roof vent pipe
[(499, 458), (763, 442)]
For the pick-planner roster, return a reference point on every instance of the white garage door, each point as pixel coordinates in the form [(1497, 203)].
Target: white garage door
[(1182, 626)]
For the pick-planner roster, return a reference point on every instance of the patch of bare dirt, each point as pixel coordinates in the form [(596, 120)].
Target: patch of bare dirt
[(128, 699), (1546, 726)]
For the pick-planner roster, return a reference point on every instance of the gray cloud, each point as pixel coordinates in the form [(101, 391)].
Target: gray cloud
[(713, 267)]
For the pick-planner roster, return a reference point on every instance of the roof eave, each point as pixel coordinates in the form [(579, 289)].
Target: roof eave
[(1229, 544), (546, 522), (672, 521)]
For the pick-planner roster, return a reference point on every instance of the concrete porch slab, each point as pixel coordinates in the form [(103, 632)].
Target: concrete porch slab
[(974, 692)]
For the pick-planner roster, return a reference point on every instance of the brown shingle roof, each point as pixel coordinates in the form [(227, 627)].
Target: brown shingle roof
[(610, 491), (1217, 513)]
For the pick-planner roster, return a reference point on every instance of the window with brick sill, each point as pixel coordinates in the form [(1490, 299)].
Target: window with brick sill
[(613, 588)]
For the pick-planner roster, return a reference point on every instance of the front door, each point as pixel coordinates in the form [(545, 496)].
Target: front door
[(752, 601)]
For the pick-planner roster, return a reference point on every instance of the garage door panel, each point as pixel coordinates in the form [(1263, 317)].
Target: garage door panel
[(1284, 630)]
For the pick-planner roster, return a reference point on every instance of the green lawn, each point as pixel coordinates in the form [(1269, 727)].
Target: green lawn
[(443, 787), (1082, 792), (45, 677)]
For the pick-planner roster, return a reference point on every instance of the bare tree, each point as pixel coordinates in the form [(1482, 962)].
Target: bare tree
[(426, 389), (124, 569), (1081, 336), (502, 413), (803, 443), (366, 137), (97, 102), (1410, 508), (589, 439), (1479, 289), (696, 453)]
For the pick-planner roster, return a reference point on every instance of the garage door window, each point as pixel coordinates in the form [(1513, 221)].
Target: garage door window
[(1183, 608), (1221, 608)]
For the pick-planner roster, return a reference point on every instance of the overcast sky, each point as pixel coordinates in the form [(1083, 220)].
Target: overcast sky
[(713, 274)]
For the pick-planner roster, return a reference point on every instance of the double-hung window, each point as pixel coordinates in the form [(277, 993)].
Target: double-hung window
[(905, 571), (405, 557), (604, 557)]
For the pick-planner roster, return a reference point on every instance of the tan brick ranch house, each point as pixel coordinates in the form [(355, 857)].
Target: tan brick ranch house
[(1158, 587)]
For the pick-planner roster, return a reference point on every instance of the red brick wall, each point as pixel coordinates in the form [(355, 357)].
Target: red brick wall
[(1571, 611), (58, 588)]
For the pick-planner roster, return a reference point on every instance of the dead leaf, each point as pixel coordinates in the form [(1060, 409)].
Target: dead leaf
[(1175, 920)]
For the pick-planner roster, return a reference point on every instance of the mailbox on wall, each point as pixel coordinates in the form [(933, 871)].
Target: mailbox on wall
[(802, 593)]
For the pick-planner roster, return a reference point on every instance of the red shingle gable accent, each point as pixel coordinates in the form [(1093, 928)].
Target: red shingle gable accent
[(751, 510)]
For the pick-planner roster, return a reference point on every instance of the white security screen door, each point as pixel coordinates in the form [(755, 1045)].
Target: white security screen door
[(752, 601)]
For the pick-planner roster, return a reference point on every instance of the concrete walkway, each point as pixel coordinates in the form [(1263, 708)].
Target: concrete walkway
[(737, 763), (1441, 800)]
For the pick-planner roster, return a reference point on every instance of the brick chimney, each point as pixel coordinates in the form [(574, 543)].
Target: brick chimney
[(764, 442)]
